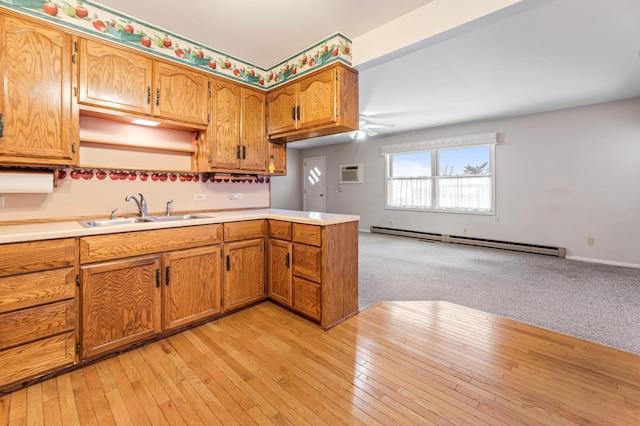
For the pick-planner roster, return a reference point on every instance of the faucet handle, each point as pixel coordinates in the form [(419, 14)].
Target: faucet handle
[(169, 207), (113, 213)]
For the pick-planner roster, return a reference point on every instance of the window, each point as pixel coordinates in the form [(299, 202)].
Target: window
[(454, 175)]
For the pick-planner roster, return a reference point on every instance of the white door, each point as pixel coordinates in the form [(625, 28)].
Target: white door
[(314, 185)]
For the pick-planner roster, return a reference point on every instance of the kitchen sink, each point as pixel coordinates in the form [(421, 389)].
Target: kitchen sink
[(132, 220), (113, 222), (177, 218)]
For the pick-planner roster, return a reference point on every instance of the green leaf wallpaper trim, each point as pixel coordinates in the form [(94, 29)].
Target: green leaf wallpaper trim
[(98, 20)]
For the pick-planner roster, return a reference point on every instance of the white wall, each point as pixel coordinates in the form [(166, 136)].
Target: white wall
[(562, 176), (286, 191)]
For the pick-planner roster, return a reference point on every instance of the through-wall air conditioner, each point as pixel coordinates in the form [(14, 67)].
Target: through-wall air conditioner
[(351, 173)]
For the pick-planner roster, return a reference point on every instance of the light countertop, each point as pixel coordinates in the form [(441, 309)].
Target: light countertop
[(52, 230)]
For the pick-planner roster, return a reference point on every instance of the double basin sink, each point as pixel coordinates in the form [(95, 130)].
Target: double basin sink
[(132, 220)]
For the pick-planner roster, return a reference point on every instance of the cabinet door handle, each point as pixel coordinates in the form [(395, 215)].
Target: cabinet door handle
[(228, 263), (158, 277), (293, 113), (1, 125), (148, 95), (244, 152), (167, 275), (158, 97), (298, 112), (286, 260), (237, 152)]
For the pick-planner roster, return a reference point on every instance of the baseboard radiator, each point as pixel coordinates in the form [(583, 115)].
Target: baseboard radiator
[(481, 242)]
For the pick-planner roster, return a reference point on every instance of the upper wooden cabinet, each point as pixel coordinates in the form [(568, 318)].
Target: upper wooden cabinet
[(35, 99), (114, 78), (323, 103), (278, 157), (237, 139), (127, 81)]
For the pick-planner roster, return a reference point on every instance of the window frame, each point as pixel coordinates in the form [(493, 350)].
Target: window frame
[(433, 146)]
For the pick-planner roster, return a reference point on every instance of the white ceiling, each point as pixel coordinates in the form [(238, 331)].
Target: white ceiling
[(537, 56)]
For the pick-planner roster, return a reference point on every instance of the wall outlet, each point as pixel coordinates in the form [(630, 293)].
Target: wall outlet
[(235, 196), (199, 196), (1, 200), (591, 241)]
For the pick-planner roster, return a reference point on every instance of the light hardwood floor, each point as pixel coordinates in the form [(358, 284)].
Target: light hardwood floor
[(395, 363)]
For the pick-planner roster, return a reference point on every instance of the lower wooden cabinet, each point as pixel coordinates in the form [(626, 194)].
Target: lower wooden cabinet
[(120, 303), (307, 298), (244, 275), (192, 285), (280, 272)]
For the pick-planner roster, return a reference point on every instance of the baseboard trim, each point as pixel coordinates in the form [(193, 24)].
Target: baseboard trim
[(604, 262)]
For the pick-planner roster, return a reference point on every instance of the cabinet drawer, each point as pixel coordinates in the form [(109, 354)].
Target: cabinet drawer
[(307, 261), (280, 229), (21, 258), (27, 290), (37, 358), (245, 230), (306, 298), (36, 323), (129, 244), (307, 234)]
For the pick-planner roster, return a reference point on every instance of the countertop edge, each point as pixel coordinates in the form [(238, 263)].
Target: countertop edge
[(71, 229)]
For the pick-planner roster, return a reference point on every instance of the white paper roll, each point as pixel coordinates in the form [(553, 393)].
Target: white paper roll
[(25, 183)]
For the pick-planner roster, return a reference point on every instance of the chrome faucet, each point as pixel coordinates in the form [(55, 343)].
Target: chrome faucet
[(142, 203), (169, 207)]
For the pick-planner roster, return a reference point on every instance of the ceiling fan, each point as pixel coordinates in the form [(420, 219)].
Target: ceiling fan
[(367, 128)]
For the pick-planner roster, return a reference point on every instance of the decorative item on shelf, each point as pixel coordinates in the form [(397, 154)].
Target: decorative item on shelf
[(272, 168), (131, 175)]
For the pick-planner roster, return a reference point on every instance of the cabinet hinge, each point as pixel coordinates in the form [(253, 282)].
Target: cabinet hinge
[(75, 92), (77, 348), (208, 118), (1, 125), (77, 277), (73, 58), (75, 46), (209, 85)]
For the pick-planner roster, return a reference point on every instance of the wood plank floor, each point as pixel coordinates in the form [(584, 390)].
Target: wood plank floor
[(396, 363)]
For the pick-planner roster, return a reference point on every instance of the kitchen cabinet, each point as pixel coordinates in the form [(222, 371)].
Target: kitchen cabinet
[(37, 309), (120, 303), (114, 78), (237, 139), (324, 102), (192, 285), (279, 263), (127, 81), (35, 93), (135, 285), (244, 276), (278, 157), (325, 271)]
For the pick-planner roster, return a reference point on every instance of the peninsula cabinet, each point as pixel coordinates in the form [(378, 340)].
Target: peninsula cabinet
[(237, 140), (325, 271), (324, 102), (35, 93), (244, 273), (127, 81), (37, 309)]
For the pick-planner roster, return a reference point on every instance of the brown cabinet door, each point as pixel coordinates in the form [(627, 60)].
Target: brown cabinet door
[(120, 303), (317, 99), (254, 138), (225, 123), (307, 298), (244, 275), (180, 94), (278, 156), (281, 110), (280, 271), (192, 280), (114, 78), (35, 93)]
